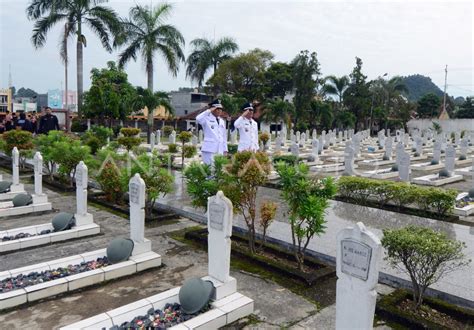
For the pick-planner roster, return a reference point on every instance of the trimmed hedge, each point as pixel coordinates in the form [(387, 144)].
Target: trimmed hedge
[(363, 191)]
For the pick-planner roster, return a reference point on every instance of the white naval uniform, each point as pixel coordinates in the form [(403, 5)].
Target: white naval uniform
[(215, 136), (248, 131)]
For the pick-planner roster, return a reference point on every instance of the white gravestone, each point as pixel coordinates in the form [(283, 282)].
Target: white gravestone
[(152, 141), (158, 137), (399, 150), (315, 148), (388, 147), (314, 134), (436, 151), (200, 135), (278, 144), (136, 190), (172, 138), (194, 140), (349, 153), (357, 266), (219, 226), (16, 166), (82, 180), (39, 197), (450, 158), (419, 145), (295, 151), (464, 145), (404, 167), (38, 164), (298, 136)]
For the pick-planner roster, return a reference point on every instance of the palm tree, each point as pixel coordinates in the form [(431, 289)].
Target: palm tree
[(208, 54), (336, 86), (146, 98), (101, 20), (145, 33)]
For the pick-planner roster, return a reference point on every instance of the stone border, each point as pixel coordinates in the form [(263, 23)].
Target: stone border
[(463, 211), (426, 180), (380, 174), (426, 167), (136, 263), (27, 242), (224, 311), (40, 207)]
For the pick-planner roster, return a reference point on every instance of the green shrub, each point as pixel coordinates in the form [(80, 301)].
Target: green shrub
[(22, 140), (232, 148), (167, 130), (172, 148), (93, 143), (102, 133), (425, 255), (287, 159), (77, 126), (184, 137), (362, 190), (158, 180), (189, 151), (264, 137), (109, 179), (129, 139), (67, 154), (307, 200), (45, 143)]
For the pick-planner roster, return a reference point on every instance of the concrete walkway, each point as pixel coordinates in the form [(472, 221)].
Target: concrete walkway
[(457, 287)]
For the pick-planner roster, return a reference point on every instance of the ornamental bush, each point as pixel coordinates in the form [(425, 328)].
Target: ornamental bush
[(264, 137), (307, 199), (424, 254), (172, 148), (22, 140), (363, 190), (167, 130), (288, 159), (129, 138), (109, 179), (186, 152)]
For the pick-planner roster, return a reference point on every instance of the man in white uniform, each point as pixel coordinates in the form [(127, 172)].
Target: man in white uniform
[(248, 129), (215, 133)]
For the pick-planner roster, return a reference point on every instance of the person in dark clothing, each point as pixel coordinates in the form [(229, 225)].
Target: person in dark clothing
[(48, 122), (9, 122), (24, 123)]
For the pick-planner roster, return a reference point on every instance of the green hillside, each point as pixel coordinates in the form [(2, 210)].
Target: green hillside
[(419, 85)]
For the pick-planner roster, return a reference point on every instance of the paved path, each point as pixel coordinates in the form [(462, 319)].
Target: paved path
[(459, 285)]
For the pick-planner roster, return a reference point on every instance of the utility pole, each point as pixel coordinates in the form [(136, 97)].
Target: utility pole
[(445, 83)]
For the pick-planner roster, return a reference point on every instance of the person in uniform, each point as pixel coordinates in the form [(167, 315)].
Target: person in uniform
[(248, 129), (215, 132)]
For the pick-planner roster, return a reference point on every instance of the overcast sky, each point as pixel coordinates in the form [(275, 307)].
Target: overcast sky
[(396, 37)]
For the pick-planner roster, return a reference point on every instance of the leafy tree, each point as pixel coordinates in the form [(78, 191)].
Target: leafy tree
[(323, 112), (307, 200), (101, 20), (278, 111), (146, 98), (146, 34), (425, 255), (22, 140), (208, 54), (110, 96), (357, 96), (467, 109), (428, 106), (242, 76), (184, 137), (278, 80), (157, 179), (67, 154), (345, 119), (232, 104), (45, 143), (305, 72)]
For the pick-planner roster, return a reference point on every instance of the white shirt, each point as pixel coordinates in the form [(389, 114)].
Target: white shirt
[(248, 132), (215, 133)]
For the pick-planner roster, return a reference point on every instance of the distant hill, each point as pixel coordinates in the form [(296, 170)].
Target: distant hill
[(419, 85)]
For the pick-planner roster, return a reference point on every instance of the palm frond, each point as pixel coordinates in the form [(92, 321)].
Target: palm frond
[(42, 26), (129, 53), (100, 30)]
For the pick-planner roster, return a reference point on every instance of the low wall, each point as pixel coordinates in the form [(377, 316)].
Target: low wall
[(448, 125)]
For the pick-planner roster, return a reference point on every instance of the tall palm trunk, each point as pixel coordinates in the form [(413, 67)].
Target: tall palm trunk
[(79, 72), (149, 71)]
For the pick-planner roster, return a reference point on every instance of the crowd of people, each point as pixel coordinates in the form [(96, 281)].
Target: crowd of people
[(36, 123)]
